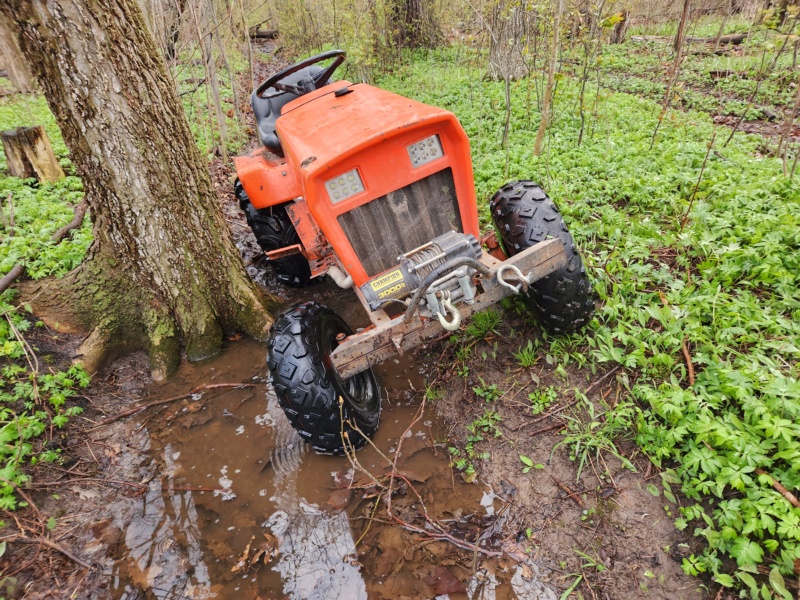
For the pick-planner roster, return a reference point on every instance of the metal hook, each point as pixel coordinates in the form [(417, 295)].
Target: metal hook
[(447, 306), (524, 281)]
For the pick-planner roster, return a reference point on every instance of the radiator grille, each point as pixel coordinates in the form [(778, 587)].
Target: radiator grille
[(391, 225)]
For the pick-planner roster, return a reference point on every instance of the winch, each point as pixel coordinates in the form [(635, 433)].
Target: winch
[(414, 266)]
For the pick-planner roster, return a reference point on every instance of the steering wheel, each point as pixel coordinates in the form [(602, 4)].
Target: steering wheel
[(299, 90)]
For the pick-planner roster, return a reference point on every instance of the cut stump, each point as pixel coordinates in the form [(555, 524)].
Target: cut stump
[(29, 154)]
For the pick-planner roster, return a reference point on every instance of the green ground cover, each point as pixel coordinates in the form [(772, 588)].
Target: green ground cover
[(728, 283)]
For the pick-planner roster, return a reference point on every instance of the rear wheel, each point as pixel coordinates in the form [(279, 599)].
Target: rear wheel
[(308, 386), (524, 215), (274, 230)]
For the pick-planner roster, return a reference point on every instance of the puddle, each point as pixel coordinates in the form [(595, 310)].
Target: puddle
[(237, 506)]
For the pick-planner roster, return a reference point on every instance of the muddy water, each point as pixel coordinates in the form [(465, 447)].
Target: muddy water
[(237, 506)]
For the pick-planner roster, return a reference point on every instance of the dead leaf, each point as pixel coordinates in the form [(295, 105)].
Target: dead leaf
[(240, 564), (339, 498), (444, 582), (84, 493), (112, 451)]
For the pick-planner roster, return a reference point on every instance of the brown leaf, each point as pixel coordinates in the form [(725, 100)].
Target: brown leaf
[(242, 561), (339, 498), (444, 582)]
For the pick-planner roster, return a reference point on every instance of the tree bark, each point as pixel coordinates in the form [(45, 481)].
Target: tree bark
[(413, 24), (29, 154), (11, 58), (508, 38), (163, 272)]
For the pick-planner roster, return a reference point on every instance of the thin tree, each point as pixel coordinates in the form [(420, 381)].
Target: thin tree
[(163, 272), (551, 77), (676, 68)]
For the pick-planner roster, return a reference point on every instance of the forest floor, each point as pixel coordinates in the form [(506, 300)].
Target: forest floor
[(551, 434)]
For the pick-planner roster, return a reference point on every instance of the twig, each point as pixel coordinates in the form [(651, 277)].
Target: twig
[(193, 90), (782, 490), (575, 498), (536, 432), (688, 358), (699, 179), (140, 408), (50, 544)]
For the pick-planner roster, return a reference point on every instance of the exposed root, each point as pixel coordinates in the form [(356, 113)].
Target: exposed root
[(93, 351)]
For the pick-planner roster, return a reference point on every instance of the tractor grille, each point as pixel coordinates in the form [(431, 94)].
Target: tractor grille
[(391, 225)]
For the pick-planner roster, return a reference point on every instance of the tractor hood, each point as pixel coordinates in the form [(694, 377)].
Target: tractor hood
[(322, 129)]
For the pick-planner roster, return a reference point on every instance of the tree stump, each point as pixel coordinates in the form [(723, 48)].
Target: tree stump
[(29, 154)]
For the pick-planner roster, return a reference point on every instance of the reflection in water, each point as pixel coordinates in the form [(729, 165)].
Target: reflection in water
[(314, 546)]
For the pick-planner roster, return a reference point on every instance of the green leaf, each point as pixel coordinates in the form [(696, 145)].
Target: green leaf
[(724, 579), (778, 584), (51, 523), (525, 460)]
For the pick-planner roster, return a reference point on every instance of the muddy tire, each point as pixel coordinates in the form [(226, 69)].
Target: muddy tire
[(307, 385), (524, 215), (274, 230)]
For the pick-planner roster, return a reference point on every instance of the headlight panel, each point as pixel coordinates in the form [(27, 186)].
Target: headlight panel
[(425, 151), (344, 186)]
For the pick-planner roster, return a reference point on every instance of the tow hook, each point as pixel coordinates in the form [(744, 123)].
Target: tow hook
[(524, 282), (447, 306)]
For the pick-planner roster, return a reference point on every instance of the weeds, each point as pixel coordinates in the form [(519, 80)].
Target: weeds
[(527, 356), (483, 323)]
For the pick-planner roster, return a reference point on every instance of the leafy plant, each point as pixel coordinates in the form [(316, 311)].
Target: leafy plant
[(541, 399), (487, 392)]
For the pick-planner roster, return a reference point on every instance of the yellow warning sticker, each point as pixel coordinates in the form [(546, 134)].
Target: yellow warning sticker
[(384, 280)]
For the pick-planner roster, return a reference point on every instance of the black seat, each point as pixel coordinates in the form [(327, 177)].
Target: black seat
[(268, 109)]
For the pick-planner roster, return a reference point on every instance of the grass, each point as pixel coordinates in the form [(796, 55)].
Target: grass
[(727, 285)]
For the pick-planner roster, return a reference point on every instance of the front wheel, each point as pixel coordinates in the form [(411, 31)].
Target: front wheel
[(308, 386), (524, 215)]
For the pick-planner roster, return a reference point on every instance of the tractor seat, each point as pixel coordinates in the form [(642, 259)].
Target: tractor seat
[(267, 110)]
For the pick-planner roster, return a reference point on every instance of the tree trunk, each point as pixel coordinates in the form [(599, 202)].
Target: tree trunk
[(163, 272), (508, 39), (413, 24), (29, 154), (11, 58)]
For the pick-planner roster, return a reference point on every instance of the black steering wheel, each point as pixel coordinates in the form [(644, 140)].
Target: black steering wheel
[(315, 80)]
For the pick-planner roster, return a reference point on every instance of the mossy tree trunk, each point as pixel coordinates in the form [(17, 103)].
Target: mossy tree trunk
[(163, 272)]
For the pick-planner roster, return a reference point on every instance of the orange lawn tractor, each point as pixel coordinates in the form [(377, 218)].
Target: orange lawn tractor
[(376, 191)]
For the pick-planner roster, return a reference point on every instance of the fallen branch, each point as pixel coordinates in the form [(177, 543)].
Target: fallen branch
[(734, 39), (688, 358), (782, 490), (597, 382), (10, 277), (17, 270), (141, 407), (77, 220), (50, 544)]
